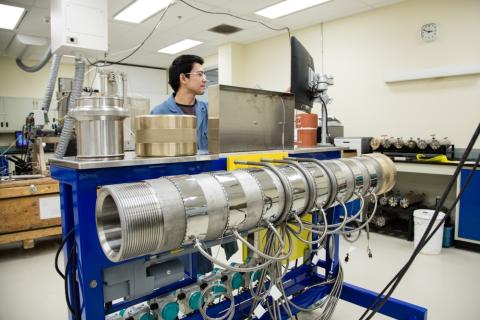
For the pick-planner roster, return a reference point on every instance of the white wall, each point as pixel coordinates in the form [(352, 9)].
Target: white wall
[(141, 82), (359, 51)]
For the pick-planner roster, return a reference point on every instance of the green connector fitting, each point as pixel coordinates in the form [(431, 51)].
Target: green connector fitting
[(170, 311), (237, 281)]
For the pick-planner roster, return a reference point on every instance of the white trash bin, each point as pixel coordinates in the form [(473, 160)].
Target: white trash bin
[(421, 218)]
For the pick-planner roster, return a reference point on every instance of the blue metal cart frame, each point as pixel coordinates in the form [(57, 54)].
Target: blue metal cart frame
[(78, 190)]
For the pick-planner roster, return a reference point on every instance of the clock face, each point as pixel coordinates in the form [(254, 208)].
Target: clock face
[(429, 32)]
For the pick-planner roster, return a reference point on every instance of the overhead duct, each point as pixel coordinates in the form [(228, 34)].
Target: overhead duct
[(25, 46)]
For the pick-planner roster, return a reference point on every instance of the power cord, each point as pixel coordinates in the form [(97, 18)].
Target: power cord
[(136, 48), (104, 63), (70, 268), (237, 17), (57, 254)]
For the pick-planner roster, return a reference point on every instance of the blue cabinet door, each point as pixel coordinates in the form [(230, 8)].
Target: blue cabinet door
[(468, 223)]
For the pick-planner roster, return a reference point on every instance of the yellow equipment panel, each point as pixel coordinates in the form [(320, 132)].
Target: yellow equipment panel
[(299, 248)]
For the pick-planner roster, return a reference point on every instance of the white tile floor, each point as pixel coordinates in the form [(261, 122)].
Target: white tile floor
[(446, 284)]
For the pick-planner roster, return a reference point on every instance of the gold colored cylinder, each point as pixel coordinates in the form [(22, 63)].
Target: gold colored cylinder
[(165, 135)]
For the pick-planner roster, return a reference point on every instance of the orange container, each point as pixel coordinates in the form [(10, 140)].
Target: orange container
[(306, 125), (306, 137), (306, 120)]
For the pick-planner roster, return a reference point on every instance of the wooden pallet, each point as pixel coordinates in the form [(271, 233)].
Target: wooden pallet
[(20, 218), (28, 237)]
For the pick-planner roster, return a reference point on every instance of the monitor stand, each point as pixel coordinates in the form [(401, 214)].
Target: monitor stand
[(324, 142)]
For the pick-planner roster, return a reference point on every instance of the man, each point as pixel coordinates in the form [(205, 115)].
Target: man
[(188, 79)]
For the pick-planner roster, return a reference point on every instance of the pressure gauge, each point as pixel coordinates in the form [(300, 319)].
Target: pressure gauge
[(429, 32)]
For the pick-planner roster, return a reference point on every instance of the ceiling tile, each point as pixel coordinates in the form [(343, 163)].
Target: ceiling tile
[(19, 3), (45, 4), (33, 23), (182, 21), (5, 38)]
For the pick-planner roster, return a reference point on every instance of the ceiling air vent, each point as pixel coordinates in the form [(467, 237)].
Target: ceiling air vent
[(225, 29)]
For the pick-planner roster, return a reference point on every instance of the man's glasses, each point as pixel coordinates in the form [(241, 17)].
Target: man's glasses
[(201, 74)]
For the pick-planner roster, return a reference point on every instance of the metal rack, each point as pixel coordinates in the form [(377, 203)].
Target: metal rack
[(78, 191)]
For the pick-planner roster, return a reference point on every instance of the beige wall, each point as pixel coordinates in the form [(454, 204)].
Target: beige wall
[(360, 50), (17, 83)]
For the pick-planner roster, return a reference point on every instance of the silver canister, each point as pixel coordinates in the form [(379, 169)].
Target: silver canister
[(99, 127)]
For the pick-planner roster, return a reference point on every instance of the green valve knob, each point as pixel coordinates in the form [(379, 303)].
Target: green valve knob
[(147, 316), (218, 289), (170, 311), (237, 280), (194, 301), (122, 312)]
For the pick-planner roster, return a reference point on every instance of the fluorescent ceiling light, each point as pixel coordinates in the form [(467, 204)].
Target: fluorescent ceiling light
[(10, 16), (288, 6), (180, 46), (140, 10)]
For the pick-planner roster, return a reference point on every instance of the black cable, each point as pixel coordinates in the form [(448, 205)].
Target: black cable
[(464, 187), (403, 271), (431, 234), (73, 275), (237, 17), (380, 299), (65, 282), (105, 64), (60, 250)]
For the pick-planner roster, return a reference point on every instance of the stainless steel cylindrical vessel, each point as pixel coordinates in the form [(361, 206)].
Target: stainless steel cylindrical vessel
[(254, 200), (388, 170), (299, 187), (322, 183), (129, 223), (273, 193), (152, 216), (99, 127), (205, 203), (165, 135), (360, 173), (344, 178)]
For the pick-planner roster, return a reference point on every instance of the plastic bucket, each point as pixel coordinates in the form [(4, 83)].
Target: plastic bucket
[(421, 218)]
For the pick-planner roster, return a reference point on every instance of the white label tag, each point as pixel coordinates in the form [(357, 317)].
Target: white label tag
[(49, 207), (259, 311), (351, 249), (275, 293), (319, 270), (315, 258)]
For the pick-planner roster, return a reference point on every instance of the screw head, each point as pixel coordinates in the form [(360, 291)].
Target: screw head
[(93, 284)]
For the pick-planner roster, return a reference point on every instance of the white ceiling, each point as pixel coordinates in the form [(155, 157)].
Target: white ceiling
[(182, 21)]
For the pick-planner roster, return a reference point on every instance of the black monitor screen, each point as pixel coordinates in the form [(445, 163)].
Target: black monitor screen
[(301, 66)]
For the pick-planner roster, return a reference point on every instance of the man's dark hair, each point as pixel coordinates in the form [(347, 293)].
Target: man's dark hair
[(181, 64)]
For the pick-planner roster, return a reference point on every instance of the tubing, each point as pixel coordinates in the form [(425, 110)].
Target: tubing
[(69, 122), (43, 61), (52, 77)]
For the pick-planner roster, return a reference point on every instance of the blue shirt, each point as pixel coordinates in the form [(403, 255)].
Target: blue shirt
[(201, 111)]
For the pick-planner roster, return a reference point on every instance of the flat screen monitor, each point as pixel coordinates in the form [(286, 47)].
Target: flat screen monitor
[(301, 67), (21, 140)]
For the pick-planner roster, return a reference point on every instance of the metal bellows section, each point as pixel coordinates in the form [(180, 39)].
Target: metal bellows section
[(158, 215)]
